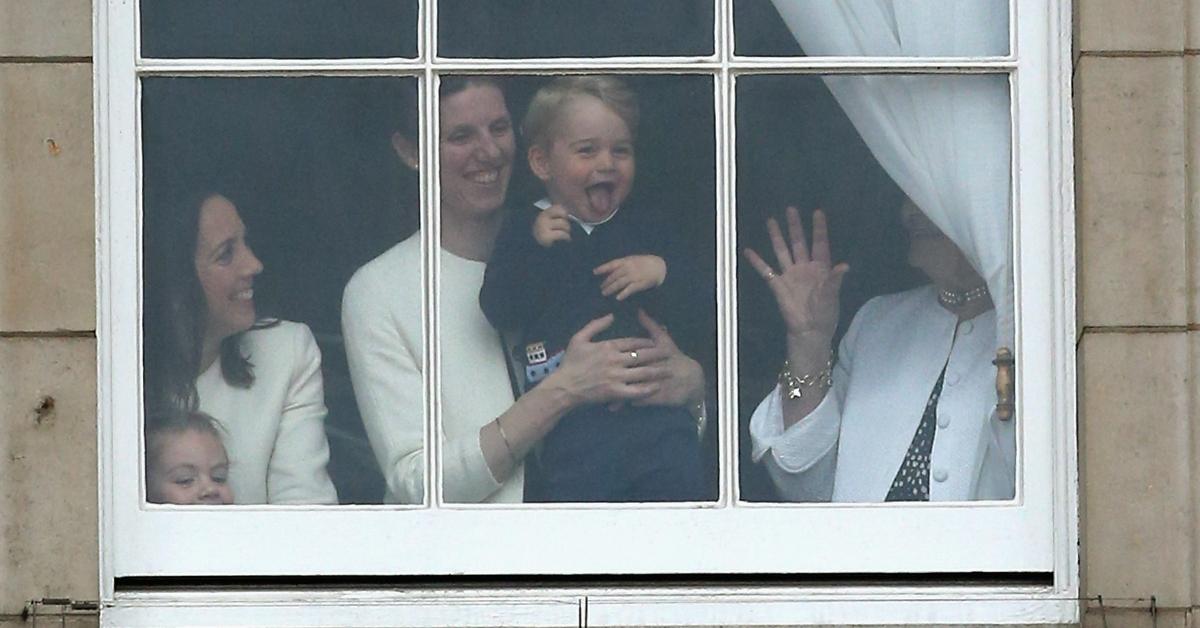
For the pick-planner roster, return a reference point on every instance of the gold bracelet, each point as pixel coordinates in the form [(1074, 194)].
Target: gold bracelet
[(794, 386), (504, 437)]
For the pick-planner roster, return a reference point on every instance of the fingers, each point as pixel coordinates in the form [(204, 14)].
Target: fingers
[(615, 282), (632, 288), (820, 245), (645, 374), (782, 254), (609, 266), (796, 233), (591, 329), (556, 211), (626, 345), (656, 331), (837, 275), (764, 269)]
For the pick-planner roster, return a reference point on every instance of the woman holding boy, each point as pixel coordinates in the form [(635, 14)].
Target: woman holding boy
[(487, 434)]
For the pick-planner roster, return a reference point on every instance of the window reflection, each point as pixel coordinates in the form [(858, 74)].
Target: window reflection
[(581, 28), (262, 197), (887, 305), (871, 28), (279, 29)]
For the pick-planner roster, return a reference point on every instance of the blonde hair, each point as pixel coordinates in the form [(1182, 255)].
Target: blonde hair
[(546, 109)]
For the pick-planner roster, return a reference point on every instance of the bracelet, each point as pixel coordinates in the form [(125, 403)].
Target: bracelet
[(504, 437), (794, 386)]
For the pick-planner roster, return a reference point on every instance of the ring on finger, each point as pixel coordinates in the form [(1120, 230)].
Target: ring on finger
[(770, 275), (633, 357)]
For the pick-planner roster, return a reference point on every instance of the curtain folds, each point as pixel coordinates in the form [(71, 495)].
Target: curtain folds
[(944, 139)]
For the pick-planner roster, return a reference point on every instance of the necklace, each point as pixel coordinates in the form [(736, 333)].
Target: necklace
[(953, 299)]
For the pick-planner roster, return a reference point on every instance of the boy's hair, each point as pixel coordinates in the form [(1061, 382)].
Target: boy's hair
[(159, 425), (545, 110)]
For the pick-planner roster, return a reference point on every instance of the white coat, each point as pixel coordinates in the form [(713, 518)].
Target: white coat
[(849, 447)]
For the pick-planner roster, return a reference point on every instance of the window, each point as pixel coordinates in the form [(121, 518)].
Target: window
[(295, 217)]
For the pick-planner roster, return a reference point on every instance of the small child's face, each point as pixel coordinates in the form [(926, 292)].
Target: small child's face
[(588, 165), (191, 468)]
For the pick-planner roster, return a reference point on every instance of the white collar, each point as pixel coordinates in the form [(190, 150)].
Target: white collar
[(545, 204)]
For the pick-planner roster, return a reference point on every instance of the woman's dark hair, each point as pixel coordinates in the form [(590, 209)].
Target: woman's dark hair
[(407, 123), (176, 311)]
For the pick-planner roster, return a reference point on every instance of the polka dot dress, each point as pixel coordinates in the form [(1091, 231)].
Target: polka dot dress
[(912, 479)]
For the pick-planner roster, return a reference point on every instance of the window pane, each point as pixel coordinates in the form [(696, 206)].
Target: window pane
[(569, 209), (580, 28), (262, 198), (279, 29), (871, 28), (890, 389)]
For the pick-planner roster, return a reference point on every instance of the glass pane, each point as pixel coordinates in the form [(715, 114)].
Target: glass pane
[(580, 28), (889, 305), (279, 29), (534, 255), (871, 28), (262, 197)]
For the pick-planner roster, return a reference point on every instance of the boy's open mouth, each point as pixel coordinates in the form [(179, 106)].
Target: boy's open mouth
[(601, 197)]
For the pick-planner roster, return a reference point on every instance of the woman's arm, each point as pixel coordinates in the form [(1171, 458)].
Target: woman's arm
[(591, 372), (297, 471), (806, 290)]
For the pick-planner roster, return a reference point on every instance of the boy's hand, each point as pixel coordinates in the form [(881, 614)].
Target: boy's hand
[(630, 275), (552, 225)]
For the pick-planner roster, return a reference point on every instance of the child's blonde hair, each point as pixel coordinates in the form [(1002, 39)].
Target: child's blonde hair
[(546, 108)]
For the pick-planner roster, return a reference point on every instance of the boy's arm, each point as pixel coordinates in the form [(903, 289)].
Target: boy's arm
[(521, 275)]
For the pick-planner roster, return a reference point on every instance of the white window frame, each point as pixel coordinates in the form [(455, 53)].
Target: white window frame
[(146, 541)]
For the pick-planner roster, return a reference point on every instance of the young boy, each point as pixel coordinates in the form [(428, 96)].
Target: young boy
[(573, 257), (186, 462)]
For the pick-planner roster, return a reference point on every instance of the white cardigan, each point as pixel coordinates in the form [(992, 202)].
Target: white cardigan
[(381, 323), (275, 429), (850, 447)]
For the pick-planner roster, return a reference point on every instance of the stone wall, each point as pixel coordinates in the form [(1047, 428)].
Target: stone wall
[(48, 529)]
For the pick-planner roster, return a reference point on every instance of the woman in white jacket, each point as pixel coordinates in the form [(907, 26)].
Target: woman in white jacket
[(904, 413), (486, 433), (207, 349)]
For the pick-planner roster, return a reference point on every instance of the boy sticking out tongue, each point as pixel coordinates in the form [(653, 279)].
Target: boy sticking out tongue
[(578, 255)]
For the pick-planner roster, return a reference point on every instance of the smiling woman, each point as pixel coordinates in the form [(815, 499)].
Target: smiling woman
[(207, 349)]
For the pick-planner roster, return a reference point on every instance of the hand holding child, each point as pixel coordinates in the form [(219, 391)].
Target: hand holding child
[(552, 225), (632, 274)]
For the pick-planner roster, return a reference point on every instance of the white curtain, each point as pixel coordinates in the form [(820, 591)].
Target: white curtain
[(944, 139)]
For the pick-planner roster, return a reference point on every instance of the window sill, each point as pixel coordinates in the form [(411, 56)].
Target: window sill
[(595, 606)]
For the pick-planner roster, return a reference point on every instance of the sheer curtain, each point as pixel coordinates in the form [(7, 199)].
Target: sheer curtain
[(944, 139)]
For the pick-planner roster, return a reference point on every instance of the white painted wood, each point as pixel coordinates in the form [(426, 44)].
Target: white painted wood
[(745, 606), (1039, 532)]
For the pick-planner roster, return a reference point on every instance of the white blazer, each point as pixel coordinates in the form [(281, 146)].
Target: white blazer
[(275, 429), (850, 447)]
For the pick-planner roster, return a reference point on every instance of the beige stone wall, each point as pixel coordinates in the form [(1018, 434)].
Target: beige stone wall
[(48, 534), (1137, 145), (1137, 151)]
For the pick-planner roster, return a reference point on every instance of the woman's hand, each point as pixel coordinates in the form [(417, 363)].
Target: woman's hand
[(805, 288), (682, 383), (606, 371)]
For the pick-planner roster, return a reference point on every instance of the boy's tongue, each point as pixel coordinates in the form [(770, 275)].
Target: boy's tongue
[(600, 196)]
